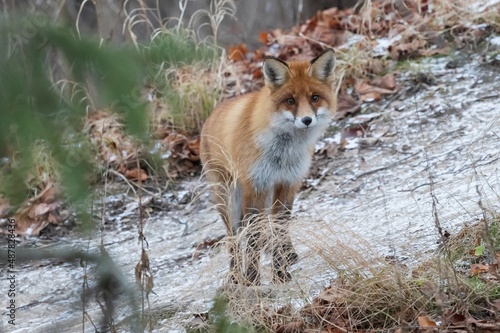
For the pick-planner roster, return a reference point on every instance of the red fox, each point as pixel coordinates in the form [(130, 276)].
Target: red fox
[(257, 148)]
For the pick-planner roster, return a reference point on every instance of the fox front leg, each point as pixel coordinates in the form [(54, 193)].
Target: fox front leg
[(283, 252), (254, 208)]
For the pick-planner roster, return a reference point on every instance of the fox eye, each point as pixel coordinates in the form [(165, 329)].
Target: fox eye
[(315, 98), (290, 101)]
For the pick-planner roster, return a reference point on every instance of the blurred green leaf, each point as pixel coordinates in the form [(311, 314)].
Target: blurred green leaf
[(479, 250)]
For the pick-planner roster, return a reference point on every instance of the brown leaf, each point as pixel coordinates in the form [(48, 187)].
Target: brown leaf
[(53, 219), (194, 146), (39, 209), (263, 37), (136, 174), (257, 73), (406, 49), (387, 81), (346, 104), (238, 52), (49, 194), (454, 318), (426, 321), (368, 92), (377, 66), (477, 269), (30, 227)]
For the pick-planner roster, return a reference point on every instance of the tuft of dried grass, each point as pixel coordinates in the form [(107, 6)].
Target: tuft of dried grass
[(193, 92)]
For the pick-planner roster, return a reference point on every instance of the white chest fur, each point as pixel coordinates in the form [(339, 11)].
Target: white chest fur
[(285, 157)]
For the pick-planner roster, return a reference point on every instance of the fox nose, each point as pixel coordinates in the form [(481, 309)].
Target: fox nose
[(307, 121)]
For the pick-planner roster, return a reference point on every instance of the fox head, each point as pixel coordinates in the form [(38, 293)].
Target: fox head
[(302, 92)]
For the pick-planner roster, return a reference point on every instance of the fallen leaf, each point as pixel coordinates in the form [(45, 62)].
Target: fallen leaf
[(456, 319), (401, 49), (387, 81), (49, 194), (194, 146), (263, 37), (39, 209), (369, 93), (28, 226), (136, 174), (346, 104), (477, 269), (426, 321), (238, 52), (52, 219), (257, 73)]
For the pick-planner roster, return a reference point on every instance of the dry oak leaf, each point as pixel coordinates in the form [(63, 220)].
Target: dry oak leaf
[(238, 52), (426, 321), (346, 104), (30, 227), (387, 81), (406, 49), (264, 37), (477, 269), (456, 319), (136, 174), (39, 209), (194, 146), (369, 93)]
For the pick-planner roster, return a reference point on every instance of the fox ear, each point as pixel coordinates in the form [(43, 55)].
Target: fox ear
[(276, 72), (322, 66)]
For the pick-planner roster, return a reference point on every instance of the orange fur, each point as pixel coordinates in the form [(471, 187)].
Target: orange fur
[(256, 149)]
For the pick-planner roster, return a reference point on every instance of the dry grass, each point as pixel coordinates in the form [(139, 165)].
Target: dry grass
[(185, 94), (193, 92), (366, 291)]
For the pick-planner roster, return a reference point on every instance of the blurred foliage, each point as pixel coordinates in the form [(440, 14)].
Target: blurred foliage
[(221, 322), (33, 109), (177, 47)]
